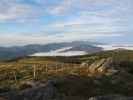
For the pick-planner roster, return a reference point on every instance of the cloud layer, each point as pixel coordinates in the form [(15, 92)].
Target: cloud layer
[(34, 21)]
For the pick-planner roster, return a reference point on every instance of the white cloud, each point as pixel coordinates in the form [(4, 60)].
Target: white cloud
[(61, 8), (81, 20), (13, 9), (8, 40), (93, 16), (17, 11), (88, 22)]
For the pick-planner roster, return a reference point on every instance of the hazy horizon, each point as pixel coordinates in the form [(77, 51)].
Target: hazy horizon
[(25, 22)]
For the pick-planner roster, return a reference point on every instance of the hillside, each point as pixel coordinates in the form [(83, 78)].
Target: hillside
[(7, 53), (106, 74)]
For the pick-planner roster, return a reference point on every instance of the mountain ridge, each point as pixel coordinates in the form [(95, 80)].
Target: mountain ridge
[(21, 51)]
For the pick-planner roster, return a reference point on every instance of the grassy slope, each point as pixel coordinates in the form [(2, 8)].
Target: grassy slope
[(14, 73)]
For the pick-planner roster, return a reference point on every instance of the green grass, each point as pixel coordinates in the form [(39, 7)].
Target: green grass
[(17, 71)]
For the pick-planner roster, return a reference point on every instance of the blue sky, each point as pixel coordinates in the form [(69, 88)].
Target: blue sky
[(45, 21)]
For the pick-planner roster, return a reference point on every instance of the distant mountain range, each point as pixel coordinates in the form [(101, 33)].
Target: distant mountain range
[(55, 49)]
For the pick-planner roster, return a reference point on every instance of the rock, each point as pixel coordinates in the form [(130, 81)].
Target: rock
[(93, 98), (46, 92), (103, 66), (93, 67), (1, 98), (68, 88), (113, 97)]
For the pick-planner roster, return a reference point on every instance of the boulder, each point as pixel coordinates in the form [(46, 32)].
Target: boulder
[(103, 66)]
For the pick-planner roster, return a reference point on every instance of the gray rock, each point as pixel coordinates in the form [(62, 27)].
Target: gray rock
[(113, 97)]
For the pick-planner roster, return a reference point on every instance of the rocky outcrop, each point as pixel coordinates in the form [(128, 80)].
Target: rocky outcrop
[(42, 92), (113, 97), (103, 67), (77, 87), (70, 88)]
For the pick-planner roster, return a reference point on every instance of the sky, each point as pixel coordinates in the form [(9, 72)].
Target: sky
[(25, 22)]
